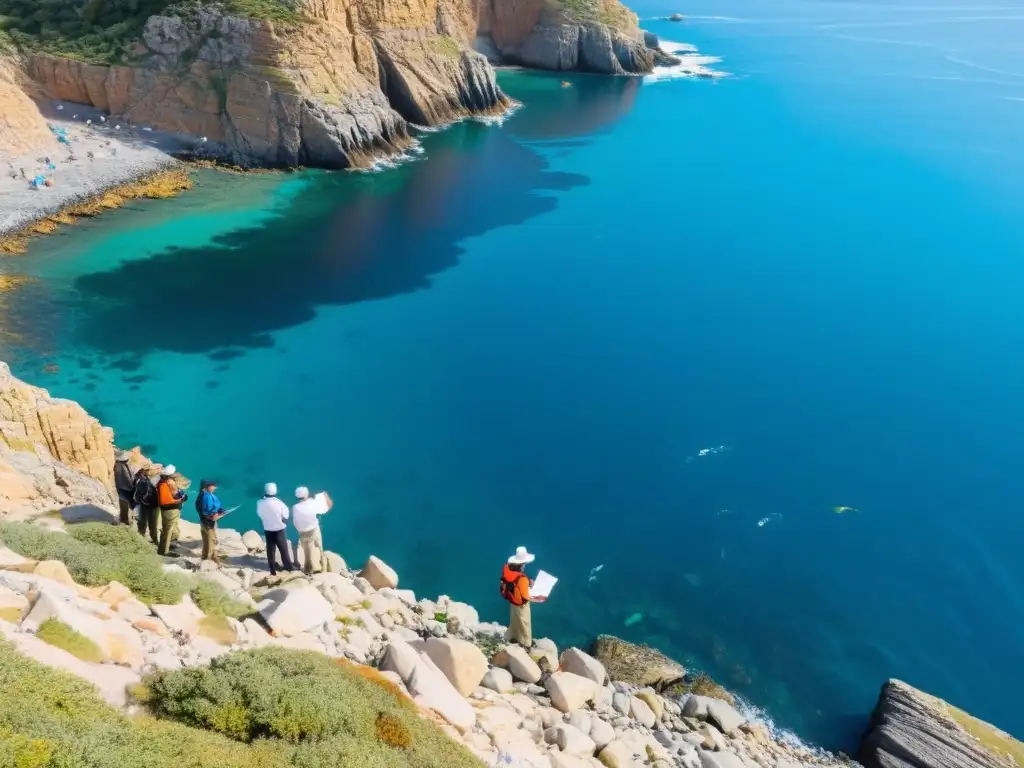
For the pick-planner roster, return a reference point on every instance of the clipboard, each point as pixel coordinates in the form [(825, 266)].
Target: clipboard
[(542, 585)]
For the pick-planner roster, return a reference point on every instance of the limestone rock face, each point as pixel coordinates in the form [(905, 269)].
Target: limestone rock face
[(334, 91), (911, 729), (579, 663), (569, 691), (636, 664), (22, 128), (516, 660), (600, 36), (52, 453)]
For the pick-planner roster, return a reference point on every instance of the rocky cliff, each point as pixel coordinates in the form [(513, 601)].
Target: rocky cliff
[(22, 128), (52, 453), (335, 88), (911, 729), (599, 36)]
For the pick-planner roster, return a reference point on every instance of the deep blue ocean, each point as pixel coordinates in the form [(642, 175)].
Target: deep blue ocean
[(529, 333)]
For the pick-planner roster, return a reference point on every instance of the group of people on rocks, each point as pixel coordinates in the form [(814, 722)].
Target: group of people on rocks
[(158, 509), (151, 500)]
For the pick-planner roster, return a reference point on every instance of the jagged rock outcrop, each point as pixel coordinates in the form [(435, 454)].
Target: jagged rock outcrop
[(911, 729), (588, 35), (52, 453), (636, 664), (336, 89), (22, 127)]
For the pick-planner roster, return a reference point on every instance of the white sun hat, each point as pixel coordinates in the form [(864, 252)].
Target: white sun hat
[(169, 470), (302, 492), (521, 557), (270, 489)]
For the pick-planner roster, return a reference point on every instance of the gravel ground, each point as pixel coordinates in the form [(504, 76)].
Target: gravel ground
[(118, 157)]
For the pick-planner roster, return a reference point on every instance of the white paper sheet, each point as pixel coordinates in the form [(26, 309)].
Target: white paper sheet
[(542, 585)]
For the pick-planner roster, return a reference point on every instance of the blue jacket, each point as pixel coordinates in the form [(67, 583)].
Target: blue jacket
[(209, 504)]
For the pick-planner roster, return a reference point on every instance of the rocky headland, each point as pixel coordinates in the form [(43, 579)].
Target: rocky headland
[(157, 640)]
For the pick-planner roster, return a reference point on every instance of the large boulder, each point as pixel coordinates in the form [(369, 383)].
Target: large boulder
[(338, 590), (569, 691), (912, 729), (653, 700), (379, 574), (461, 662), (497, 679), (516, 660), (641, 712), (291, 611), (570, 740), (616, 754), (431, 690), (720, 760), (253, 542), (724, 716), (583, 664), (637, 664), (601, 732)]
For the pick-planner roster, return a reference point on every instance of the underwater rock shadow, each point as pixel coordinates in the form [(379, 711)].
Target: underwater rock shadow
[(342, 240)]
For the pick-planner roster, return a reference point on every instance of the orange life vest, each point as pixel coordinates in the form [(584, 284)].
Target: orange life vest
[(165, 496), (512, 588)]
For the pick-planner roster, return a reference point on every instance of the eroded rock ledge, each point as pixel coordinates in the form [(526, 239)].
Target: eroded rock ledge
[(337, 90)]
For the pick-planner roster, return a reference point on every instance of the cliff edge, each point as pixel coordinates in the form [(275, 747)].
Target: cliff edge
[(327, 83), (911, 729), (601, 36)]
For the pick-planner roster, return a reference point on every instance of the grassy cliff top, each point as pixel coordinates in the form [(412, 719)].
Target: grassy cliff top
[(104, 31), (610, 12)]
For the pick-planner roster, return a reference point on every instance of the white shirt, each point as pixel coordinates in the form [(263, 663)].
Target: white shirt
[(304, 514), (273, 512)]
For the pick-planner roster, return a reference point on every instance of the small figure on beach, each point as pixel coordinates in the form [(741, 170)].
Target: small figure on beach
[(273, 514), (306, 518), (515, 587), (210, 511)]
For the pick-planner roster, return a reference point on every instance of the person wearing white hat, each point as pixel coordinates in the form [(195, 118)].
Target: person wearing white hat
[(274, 515), (124, 484), (515, 587), (306, 517), (169, 498)]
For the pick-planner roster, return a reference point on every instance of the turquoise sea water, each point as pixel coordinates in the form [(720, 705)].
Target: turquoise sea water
[(528, 335)]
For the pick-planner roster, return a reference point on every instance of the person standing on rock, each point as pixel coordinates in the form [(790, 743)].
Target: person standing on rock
[(515, 587), (274, 515), (306, 517), (169, 499), (210, 511), (124, 484), (144, 497)]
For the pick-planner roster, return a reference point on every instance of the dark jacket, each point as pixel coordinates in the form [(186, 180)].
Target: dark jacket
[(124, 483)]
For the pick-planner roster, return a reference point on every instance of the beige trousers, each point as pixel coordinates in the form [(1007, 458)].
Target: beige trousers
[(312, 544), (519, 626)]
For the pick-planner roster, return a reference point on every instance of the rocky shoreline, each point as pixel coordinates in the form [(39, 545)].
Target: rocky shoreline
[(615, 704)]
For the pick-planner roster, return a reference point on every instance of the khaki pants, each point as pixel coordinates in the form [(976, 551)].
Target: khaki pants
[(209, 535), (125, 508), (312, 544), (168, 528), (519, 626), (149, 519)]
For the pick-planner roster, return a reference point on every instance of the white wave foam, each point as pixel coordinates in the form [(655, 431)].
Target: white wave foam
[(692, 63), (781, 735)]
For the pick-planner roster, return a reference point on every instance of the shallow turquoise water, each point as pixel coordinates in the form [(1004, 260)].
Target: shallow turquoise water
[(528, 335)]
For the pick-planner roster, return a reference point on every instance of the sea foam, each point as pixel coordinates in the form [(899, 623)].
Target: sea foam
[(692, 63)]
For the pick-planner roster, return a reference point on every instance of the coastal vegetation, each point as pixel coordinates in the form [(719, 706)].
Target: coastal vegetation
[(213, 600), (156, 186), (333, 712), (96, 554), (60, 635), (105, 31)]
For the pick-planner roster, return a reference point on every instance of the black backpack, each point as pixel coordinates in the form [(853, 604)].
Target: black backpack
[(143, 492)]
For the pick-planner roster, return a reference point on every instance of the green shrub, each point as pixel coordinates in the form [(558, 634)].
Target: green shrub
[(95, 558), (214, 600), (49, 719), (334, 712), (60, 635)]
